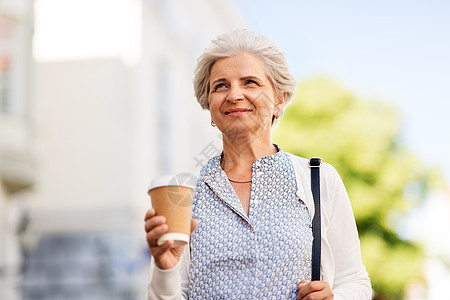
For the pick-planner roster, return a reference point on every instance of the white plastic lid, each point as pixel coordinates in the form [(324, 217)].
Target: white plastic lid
[(183, 179)]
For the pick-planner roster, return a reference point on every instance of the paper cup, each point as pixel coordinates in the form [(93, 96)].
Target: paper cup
[(171, 197)]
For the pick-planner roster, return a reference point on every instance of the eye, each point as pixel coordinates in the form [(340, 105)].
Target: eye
[(250, 82), (219, 87)]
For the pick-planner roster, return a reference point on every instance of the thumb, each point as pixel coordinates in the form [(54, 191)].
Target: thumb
[(194, 224)]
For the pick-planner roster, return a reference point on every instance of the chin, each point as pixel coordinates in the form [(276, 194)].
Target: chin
[(236, 129), (243, 126)]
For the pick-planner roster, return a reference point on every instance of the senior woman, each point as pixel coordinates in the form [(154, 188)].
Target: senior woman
[(252, 207)]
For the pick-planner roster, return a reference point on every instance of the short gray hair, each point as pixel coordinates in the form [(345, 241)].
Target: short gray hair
[(239, 41)]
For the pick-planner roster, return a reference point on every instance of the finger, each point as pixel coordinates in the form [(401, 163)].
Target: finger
[(324, 294), (322, 290), (153, 222), (310, 287), (302, 284), (318, 285), (303, 289), (194, 224), (150, 213), (154, 234)]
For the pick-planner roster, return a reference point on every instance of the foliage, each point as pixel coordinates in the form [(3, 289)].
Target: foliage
[(360, 138)]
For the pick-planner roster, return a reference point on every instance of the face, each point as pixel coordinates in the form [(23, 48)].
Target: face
[(242, 99)]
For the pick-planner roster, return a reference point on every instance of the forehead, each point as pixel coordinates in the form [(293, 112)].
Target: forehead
[(240, 65)]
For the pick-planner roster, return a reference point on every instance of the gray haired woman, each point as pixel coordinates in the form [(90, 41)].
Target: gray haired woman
[(252, 208)]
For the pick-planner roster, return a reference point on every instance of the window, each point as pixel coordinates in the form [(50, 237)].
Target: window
[(14, 57)]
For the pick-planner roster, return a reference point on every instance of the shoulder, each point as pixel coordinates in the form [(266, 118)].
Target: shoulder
[(302, 164)]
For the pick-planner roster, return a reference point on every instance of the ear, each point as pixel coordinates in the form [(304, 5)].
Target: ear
[(280, 103)]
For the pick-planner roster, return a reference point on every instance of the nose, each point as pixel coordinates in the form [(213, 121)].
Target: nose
[(235, 93)]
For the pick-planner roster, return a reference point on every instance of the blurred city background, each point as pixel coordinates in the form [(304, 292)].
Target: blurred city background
[(96, 99)]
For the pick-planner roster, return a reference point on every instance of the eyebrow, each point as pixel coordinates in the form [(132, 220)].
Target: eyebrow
[(219, 80), (252, 78)]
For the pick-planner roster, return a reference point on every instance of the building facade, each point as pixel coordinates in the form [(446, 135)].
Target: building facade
[(17, 156), (112, 107)]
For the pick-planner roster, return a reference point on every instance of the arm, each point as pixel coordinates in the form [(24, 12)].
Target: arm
[(351, 280), (172, 283), (341, 254), (169, 266)]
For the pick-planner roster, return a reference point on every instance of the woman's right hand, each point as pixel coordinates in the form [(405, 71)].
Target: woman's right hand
[(165, 256)]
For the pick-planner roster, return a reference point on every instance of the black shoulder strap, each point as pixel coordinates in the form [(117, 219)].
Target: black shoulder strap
[(314, 165)]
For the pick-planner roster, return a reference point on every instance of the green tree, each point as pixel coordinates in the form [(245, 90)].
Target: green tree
[(360, 138)]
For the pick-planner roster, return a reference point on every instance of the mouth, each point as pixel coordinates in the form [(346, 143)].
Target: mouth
[(237, 111)]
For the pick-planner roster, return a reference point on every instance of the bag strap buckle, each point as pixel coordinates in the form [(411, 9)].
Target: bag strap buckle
[(315, 162)]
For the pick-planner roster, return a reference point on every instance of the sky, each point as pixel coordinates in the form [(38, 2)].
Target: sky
[(393, 51)]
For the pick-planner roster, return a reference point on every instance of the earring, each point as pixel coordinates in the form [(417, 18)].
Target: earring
[(213, 124), (276, 115)]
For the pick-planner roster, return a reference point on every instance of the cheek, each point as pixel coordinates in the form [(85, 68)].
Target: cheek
[(214, 109), (264, 100), (214, 103)]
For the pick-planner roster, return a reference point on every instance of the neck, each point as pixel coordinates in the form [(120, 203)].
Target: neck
[(240, 152)]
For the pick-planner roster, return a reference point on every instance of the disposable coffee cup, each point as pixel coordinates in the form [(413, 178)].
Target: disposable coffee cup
[(171, 197)]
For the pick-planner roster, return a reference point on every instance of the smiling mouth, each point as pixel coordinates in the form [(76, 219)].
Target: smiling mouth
[(237, 111)]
